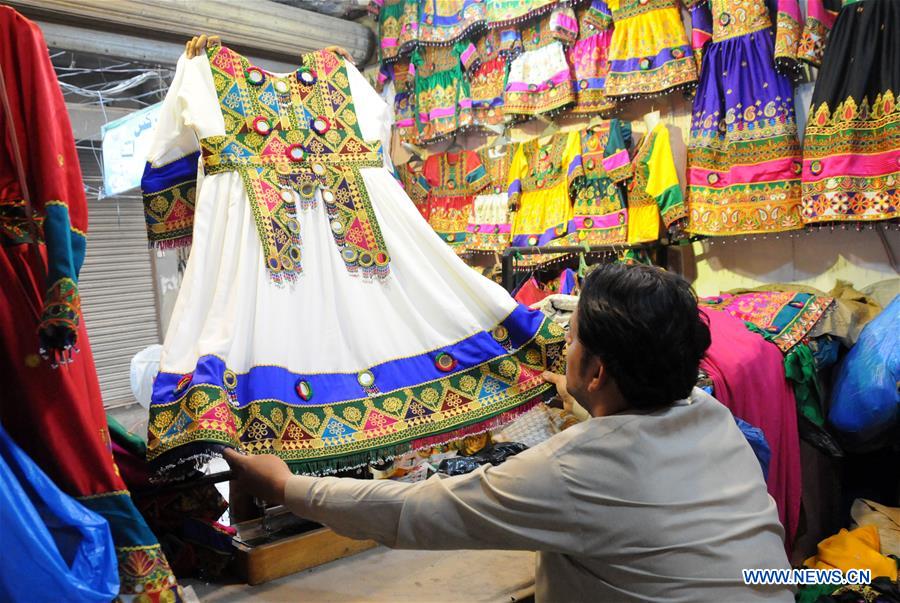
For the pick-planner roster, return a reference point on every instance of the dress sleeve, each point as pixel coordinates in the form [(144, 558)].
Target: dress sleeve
[(662, 183), (564, 24), (373, 112), (616, 161), (523, 504), (788, 28), (476, 175), (701, 28), (53, 178), (467, 53), (169, 183), (598, 15), (572, 161), (820, 16), (516, 171)]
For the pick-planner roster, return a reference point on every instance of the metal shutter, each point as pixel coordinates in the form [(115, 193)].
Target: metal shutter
[(116, 284)]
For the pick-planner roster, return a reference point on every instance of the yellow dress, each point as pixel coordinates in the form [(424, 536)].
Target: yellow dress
[(654, 192), (540, 178)]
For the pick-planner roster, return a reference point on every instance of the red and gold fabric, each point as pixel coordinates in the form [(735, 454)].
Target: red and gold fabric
[(415, 185), (56, 414), (454, 179)]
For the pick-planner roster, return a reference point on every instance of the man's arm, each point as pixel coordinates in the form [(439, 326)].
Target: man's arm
[(522, 504)]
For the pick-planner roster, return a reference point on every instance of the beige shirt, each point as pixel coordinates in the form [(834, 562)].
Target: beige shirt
[(667, 506)]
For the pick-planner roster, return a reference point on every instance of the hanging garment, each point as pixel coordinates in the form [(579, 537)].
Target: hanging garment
[(649, 53), (443, 22), (589, 59), (501, 13), (541, 176), (453, 179), (653, 192), (397, 29), (415, 185), (748, 377), (851, 150), (599, 208), (540, 79), (56, 415), (533, 291), (443, 99), (489, 228), (743, 152), (384, 342), (404, 103), (488, 78)]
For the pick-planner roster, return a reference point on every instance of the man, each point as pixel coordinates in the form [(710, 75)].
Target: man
[(657, 496)]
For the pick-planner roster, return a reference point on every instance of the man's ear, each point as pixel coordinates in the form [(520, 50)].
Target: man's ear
[(597, 375)]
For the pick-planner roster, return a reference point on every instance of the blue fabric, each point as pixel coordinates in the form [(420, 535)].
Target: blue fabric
[(866, 400), (51, 547), (65, 248), (156, 179), (272, 382), (757, 440), (543, 238)]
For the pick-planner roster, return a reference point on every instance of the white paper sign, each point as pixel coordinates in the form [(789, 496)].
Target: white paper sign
[(126, 143)]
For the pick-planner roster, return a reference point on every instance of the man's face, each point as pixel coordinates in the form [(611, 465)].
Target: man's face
[(576, 355)]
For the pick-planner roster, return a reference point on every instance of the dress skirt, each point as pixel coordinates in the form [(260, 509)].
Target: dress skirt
[(851, 151)]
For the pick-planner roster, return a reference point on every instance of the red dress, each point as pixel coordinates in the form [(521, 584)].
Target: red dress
[(56, 414), (454, 178)]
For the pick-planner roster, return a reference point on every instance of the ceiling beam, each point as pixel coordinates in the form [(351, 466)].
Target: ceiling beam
[(264, 28)]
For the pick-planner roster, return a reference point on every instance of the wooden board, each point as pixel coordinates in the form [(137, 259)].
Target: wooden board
[(259, 564)]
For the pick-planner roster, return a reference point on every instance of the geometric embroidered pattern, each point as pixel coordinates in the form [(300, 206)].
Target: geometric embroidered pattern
[(295, 141), (312, 437)]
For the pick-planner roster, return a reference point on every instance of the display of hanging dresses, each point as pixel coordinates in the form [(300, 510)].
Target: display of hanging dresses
[(404, 102), (366, 337), (599, 198), (649, 53), (541, 176), (489, 228), (513, 12), (443, 99), (415, 185), (454, 178), (851, 150), (743, 152), (589, 58), (56, 413), (540, 79), (653, 192), (443, 22)]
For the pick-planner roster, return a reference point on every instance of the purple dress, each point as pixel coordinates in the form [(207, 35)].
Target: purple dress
[(744, 159)]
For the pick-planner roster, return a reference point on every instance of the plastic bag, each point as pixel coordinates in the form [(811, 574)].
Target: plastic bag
[(51, 547), (866, 401), (144, 366)]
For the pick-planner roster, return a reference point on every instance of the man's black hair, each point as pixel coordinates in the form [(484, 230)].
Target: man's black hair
[(643, 323)]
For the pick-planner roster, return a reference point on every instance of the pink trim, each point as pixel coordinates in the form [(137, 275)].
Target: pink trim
[(388, 42), (490, 228), (616, 160), (444, 111), (566, 22), (467, 54), (405, 123), (699, 38), (493, 423), (870, 166), (791, 8), (768, 171), (612, 220), (560, 78)]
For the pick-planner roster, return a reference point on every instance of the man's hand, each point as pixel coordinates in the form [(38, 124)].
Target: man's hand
[(263, 476), (199, 44), (560, 382), (341, 52)]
